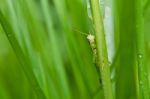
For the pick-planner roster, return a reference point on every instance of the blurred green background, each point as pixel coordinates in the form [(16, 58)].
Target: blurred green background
[(42, 57)]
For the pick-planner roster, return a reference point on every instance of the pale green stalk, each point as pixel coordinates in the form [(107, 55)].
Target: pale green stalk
[(102, 49)]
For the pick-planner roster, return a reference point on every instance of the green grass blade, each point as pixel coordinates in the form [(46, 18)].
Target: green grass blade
[(102, 50), (140, 38)]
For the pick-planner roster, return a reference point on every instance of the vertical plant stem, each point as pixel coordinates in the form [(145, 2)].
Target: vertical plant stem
[(142, 69), (102, 50)]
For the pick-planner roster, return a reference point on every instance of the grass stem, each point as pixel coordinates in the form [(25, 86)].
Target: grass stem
[(142, 69), (102, 49)]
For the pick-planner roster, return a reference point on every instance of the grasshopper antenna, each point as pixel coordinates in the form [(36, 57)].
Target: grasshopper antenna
[(80, 32)]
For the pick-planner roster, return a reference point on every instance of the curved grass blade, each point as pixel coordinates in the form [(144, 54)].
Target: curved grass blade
[(21, 57)]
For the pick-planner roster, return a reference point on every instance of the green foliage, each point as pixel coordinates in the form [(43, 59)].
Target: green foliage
[(42, 57)]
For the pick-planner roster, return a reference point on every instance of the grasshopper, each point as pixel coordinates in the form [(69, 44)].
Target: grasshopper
[(92, 41)]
